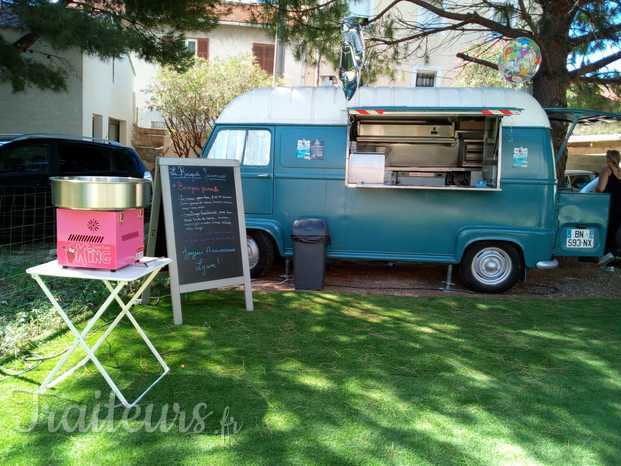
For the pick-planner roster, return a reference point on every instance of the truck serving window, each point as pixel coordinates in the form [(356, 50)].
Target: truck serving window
[(418, 151), (250, 147)]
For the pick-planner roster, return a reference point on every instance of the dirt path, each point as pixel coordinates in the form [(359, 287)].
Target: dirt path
[(572, 279)]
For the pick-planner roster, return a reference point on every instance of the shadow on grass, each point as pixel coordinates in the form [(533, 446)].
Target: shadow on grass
[(323, 378)]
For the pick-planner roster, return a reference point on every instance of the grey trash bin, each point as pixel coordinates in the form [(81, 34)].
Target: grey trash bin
[(310, 240)]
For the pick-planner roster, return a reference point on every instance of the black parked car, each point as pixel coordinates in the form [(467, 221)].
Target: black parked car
[(28, 161)]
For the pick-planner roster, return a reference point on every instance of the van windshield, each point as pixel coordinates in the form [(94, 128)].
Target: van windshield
[(248, 146)]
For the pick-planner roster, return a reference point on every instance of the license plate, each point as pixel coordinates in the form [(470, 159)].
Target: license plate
[(580, 238)]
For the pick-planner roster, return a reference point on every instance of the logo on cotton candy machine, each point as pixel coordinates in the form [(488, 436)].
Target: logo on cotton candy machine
[(87, 254), (93, 224)]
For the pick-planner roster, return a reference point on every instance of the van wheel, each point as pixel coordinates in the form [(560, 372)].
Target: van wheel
[(261, 253), (491, 267)]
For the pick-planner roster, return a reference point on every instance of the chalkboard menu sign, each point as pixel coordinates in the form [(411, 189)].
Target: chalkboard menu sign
[(204, 223), (204, 212)]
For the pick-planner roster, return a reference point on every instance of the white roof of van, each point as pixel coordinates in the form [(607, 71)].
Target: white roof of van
[(327, 105)]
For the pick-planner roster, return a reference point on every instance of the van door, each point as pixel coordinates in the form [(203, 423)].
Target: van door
[(582, 224), (253, 148), (582, 217), (257, 171)]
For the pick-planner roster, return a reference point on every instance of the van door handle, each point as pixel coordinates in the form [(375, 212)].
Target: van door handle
[(263, 175)]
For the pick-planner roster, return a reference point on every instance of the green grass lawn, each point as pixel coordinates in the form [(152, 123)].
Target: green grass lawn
[(344, 379)]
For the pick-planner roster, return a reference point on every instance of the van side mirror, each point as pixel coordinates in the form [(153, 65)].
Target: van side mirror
[(352, 55)]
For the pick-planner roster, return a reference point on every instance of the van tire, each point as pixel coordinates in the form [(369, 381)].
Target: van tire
[(491, 267), (266, 250)]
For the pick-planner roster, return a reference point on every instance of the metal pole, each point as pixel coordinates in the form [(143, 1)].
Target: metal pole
[(449, 279)]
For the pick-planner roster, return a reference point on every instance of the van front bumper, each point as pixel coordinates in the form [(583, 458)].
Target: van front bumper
[(547, 265)]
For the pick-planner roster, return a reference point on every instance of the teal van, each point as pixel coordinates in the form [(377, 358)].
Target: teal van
[(449, 176)]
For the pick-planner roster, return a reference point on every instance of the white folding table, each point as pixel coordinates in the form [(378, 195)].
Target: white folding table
[(148, 267)]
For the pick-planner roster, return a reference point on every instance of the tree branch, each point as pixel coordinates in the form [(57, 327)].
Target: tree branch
[(26, 41), (596, 65), (420, 35), (301, 11), (466, 18), (478, 61), (527, 17), (595, 35), (600, 80)]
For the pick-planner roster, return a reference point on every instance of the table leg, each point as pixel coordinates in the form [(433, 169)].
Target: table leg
[(80, 339), (125, 311), (118, 318), (49, 380)]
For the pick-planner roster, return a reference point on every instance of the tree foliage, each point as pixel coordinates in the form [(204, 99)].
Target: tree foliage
[(579, 94), (153, 29), (191, 101)]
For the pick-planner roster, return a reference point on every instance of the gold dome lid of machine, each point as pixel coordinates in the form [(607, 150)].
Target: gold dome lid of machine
[(100, 192)]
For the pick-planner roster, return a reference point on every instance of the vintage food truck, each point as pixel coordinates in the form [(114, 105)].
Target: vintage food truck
[(452, 176)]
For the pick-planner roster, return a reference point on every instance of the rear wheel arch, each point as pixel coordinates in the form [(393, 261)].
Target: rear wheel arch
[(262, 250), (511, 242)]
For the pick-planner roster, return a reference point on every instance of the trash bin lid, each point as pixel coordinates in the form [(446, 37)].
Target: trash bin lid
[(309, 227)]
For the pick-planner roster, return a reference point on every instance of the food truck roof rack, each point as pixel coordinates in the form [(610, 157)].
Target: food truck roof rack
[(327, 105)]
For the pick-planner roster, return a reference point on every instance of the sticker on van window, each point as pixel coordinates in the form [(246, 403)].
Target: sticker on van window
[(520, 157), (303, 151), (310, 150), (316, 149)]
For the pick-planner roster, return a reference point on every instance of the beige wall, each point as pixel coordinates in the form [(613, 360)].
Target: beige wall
[(37, 111), (91, 90), (230, 40), (588, 154), (108, 88)]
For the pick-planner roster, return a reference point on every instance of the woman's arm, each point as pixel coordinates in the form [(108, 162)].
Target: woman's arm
[(603, 179)]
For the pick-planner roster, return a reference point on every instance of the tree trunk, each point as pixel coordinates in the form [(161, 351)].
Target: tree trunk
[(551, 83), (551, 91)]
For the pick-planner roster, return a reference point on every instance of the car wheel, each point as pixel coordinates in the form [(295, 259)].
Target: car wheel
[(491, 267), (261, 253)]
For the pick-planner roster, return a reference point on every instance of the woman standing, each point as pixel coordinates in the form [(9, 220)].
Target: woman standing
[(610, 182)]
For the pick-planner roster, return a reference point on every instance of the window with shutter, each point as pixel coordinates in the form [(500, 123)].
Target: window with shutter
[(203, 48), (264, 55)]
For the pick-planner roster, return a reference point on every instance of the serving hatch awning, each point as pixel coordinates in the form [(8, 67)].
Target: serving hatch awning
[(575, 116), (431, 111)]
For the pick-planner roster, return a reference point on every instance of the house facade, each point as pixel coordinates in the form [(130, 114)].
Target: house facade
[(236, 34), (98, 102)]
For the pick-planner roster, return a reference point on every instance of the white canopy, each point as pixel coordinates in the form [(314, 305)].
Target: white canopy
[(327, 105)]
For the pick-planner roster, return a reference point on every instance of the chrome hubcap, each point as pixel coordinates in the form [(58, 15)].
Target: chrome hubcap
[(253, 252), (491, 266)]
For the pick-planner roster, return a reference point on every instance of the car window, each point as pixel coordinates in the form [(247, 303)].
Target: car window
[(251, 147), (82, 158), (124, 162), (257, 151), (581, 180), (27, 159)]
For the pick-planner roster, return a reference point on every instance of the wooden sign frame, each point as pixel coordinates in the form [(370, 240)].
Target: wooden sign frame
[(162, 192)]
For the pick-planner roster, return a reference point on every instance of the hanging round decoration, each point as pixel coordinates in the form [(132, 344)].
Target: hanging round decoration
[(520, 60)]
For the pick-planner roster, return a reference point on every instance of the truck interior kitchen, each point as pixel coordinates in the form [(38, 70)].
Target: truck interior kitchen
[(408, 150)]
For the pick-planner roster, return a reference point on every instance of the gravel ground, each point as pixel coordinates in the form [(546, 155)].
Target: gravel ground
[(572, 279)]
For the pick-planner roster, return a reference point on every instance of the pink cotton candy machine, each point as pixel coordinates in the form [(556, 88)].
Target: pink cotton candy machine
[(100, 220)]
